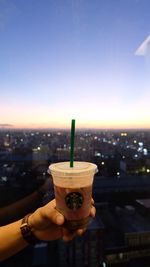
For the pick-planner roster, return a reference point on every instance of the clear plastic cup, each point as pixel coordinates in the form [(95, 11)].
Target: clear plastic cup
[(73, 191)]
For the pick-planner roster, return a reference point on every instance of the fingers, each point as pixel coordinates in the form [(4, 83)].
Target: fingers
[(56, 217), (68, 235), (49, 211), (48, 214), (92, 201), (92, 212), (81, 231)]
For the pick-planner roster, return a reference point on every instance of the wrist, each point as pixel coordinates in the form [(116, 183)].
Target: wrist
[(27, 231)]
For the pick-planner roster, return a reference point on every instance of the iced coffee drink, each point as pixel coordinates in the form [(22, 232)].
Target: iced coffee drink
[(73, 191)]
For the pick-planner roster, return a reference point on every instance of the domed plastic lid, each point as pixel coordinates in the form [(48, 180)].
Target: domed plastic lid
[(80, 168)]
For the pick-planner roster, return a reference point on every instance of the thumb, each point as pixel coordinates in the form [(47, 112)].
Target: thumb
[(49, 211)]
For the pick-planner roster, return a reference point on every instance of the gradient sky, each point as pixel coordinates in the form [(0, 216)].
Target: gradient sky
[(64, 59)]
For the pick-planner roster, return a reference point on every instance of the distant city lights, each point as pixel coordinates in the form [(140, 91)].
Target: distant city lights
[(123, 134), (4, 178), (145, 151), (114, 143), (140, 149), (97, 154), (101, 147), (140, 144)]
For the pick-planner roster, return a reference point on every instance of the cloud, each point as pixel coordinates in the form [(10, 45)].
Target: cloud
[(144, 48), (6, 125)]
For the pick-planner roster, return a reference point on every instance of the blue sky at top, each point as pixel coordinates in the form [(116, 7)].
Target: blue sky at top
[(74, 58)]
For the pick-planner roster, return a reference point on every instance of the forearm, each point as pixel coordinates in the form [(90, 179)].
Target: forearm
[(11, 240)]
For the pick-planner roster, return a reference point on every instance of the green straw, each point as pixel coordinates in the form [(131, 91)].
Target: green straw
[(72, 142)]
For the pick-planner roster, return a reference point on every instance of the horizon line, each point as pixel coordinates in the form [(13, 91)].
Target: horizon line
[(79, 128)]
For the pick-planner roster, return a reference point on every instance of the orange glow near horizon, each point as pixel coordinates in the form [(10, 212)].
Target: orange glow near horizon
[(110, 115), (82, 125)]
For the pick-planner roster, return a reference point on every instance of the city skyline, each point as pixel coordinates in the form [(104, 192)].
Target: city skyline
[(87, 60)]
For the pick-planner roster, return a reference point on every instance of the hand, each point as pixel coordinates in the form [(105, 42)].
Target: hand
[(47, 223)]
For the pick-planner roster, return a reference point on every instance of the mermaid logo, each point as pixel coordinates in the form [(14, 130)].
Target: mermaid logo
[(74, 200)]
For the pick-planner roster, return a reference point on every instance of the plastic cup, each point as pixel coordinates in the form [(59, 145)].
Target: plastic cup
[(73, 191)]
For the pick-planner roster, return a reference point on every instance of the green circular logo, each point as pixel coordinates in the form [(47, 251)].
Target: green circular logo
[(74, 200)]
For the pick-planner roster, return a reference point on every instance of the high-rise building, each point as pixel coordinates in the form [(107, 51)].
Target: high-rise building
[(84, 251)]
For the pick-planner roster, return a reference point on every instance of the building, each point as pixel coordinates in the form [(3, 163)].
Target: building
[(86, 250)]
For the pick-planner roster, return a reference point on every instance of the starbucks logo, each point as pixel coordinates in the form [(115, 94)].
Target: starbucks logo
[(74, 200)]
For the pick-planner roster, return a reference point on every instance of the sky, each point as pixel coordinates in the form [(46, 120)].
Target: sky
[(74, 59)]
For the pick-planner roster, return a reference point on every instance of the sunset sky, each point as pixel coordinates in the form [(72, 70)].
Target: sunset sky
[(81, 59)]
